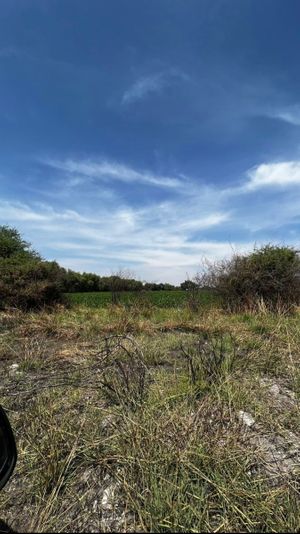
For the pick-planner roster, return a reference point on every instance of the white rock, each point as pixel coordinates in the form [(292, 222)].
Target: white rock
[(14, 369), (107, 501), (275, 390), (246, 418)]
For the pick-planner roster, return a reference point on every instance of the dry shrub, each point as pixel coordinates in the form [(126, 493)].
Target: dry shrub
[(141, 305), (29, 285), (266, 279), (124, 375)]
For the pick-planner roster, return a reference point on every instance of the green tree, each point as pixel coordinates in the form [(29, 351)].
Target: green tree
[(12, 245), (188, 284)]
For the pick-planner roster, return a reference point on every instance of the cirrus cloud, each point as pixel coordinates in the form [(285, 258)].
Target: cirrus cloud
[(154, 83), (108, 171)]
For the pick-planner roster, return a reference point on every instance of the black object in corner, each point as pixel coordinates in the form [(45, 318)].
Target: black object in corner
[(8, 450)]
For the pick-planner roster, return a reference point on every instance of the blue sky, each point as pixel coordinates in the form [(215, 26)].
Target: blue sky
[(147, 135)]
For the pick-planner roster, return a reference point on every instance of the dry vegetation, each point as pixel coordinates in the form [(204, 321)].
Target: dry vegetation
[(152, 420)]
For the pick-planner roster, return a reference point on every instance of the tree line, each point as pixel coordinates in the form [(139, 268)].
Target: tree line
[(28, 281), (74, 282)]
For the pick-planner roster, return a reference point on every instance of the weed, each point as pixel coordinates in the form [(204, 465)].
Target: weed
[(210, 358), (124, 377)]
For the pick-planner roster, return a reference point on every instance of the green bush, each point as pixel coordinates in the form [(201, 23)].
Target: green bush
[(269, 277), (26, 281), (30, 284)]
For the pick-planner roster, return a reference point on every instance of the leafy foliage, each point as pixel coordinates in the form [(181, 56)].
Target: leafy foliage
[(12, 245), (26, 281), (269, 276), (188, 285), (75, 282)]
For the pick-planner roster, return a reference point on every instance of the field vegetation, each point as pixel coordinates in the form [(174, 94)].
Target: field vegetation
[(153, 415), (161, 299), (160, 419)]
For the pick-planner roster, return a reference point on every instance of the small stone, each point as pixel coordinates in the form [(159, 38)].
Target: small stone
[(246, 418), (14, 369), (275, 390)]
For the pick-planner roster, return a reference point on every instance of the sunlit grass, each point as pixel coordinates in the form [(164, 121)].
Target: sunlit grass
[(179, 457)]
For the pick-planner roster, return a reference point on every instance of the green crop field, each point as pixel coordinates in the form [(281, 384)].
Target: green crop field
[(161, 299)]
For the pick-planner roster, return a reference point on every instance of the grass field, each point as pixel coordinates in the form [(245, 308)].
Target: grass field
[(161, 299), (152, 419)]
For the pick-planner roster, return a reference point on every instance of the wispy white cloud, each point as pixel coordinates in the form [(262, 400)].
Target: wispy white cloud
[(290, 114), (18, 212), (205, 222), (282, 174), (143, 87), (154, 83), (111, 171)]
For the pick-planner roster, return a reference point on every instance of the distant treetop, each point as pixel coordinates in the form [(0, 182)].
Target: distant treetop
[(12, 245)]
